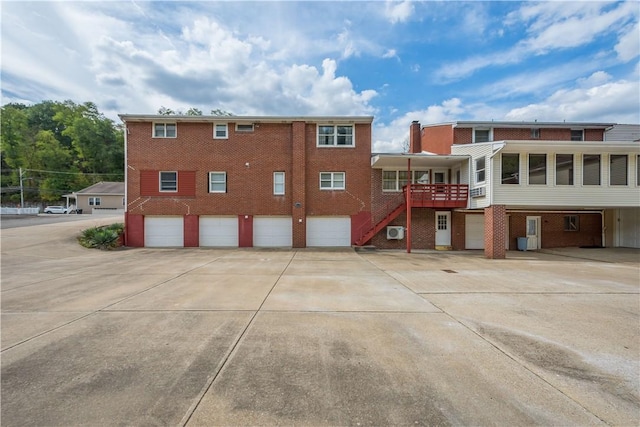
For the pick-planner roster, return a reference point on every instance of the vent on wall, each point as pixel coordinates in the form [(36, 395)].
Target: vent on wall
[(478, 192), (395, 232)]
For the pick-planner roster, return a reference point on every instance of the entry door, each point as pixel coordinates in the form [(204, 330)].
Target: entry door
[(443, 228), (533, 232)]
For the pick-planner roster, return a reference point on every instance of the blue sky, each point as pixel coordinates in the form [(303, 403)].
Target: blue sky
[(398, 61)]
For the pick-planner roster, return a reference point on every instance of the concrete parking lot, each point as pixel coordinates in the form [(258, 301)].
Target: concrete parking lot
[(314, 337)]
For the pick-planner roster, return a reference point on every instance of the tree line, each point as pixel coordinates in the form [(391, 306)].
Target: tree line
[(61, 147)]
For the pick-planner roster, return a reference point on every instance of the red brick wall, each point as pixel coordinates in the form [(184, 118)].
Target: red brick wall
[(594, 135), (423, 234), (462, 135), (458, 231), (191, 231), (494, 228), (552, 230), (437, 139)]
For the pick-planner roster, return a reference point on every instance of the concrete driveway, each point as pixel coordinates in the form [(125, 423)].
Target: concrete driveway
[(314, 337)]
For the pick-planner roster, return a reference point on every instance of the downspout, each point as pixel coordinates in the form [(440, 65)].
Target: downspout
[(409, 206), (126, 199), (603, 227)]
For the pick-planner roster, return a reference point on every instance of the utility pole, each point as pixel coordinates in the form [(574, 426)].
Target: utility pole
[(21, 191)]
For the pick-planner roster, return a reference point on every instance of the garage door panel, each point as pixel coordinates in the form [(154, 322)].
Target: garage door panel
[(474, 231), (272, 232), (218, 231), (329, 231), (163, 231)]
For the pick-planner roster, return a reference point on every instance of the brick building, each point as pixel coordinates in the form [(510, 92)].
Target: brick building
[(557, 184), (246, 181)]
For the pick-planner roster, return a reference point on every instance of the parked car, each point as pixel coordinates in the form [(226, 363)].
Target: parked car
[(55, 210)]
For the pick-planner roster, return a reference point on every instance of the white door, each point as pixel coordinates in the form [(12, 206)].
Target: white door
[(474, 231), (218, 231), (329, 231), (629, 228), (163, 231), (272, 231), (533, 233), (443, 228)]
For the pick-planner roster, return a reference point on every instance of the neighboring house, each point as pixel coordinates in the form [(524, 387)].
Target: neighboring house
[(558, 184), (237, 181), (105, 196)]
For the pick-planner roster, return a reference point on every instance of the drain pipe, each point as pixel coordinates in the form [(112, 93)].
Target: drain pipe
[(603, 227)]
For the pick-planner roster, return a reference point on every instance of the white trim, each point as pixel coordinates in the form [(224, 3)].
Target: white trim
[(335, 135), (473, 133), (164, 136), (226, 131), (160, 182), (275, 191), (245, 130), (333, 187), (218, 182)]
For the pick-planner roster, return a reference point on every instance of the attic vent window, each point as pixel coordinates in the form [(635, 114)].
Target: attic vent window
[(244, 127), (535, 133)]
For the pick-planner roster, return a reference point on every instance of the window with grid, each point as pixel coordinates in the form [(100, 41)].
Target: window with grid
[(442, 222), (332, 181), (94, 201), (537, 169), (278, 183), (395, 180), (164, 130), (217, 182), (220, 131), (335, 136), (564, 169), (168, 181)]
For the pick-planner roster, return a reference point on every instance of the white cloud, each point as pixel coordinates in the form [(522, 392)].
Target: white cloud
[(390, 138), (391, 53), (398, 11), (600, 101), (628, 46)]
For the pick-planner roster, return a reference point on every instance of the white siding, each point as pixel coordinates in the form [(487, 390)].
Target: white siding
[(476, 151), (623, 133)]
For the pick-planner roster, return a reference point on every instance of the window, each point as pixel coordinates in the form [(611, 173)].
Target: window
[(217, 182), (220, 131), (535, 133), (638, 170), (94, 201), (591, 169), (332, 181), (278, 183), (571, 223), (511, 168), (336, 136), (537, 169), (168, 181), (481, 135), (164, 130), (244, 127), (395, 180), (577, 135), (564, 169), (480, 164), (618, 169)]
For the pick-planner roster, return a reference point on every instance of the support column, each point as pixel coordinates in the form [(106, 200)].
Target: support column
[(191, 231), (409, 206), (495, 218), (298, 185)]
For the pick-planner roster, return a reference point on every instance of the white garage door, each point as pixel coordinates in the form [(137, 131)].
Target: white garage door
[(474, 232), (272, 231), (329, 231), (163, 231), (219, 231)]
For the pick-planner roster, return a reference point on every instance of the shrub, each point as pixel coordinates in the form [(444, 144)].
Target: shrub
[(105, 237)]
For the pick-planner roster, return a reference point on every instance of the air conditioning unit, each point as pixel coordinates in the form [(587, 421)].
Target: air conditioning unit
[(395, 232), (478, 192)]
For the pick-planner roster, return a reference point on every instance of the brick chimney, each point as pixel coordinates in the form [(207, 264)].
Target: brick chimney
[(415, 143)]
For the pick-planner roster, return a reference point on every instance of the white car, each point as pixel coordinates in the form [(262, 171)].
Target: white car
[(55, 210)]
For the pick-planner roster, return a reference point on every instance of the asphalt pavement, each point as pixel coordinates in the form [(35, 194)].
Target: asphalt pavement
[(313, 337)]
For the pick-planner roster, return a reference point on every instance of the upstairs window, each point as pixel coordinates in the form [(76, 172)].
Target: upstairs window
[(332, 181), (217, 182), (535, 133), (618, 169), (395, 180), (335, 136), (591, 169), (577, 134), (241, 127), (278, 183), (511, 168), (164, 130), (480, 166), (169, 181), (564, 169), (537, 169), (481, 135), (220, 131)]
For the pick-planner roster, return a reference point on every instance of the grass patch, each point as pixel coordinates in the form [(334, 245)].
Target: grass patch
[(105, 237)]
